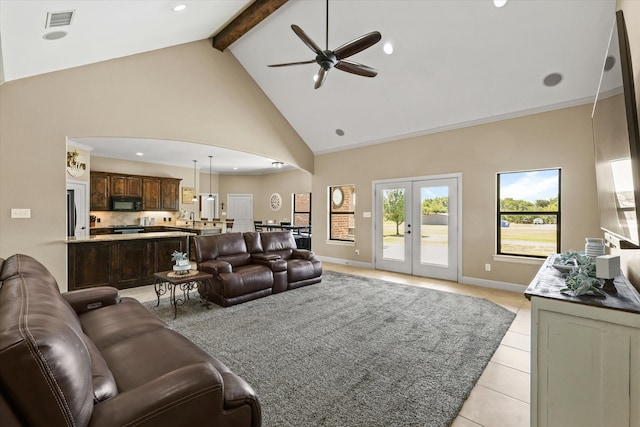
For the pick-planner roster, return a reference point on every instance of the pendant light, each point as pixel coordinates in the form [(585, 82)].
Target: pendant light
[(195, 193), (210, 193)]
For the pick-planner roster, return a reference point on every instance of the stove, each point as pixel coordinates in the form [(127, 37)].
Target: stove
[(127, 229)]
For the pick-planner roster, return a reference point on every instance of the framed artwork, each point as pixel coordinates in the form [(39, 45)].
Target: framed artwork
[(187, 195)]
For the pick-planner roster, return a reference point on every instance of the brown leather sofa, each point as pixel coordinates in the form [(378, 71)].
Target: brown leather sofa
[(91, 358), (246, 266)]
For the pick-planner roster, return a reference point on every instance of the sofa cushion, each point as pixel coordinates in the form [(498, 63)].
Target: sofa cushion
[(114, 323), (236, 260), (104, 385), (246, 280), (278, 242), (253, 241), (299, 269), (42, 351)]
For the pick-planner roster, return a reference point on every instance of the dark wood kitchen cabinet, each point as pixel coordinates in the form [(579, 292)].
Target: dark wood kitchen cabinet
[(120, 263), (125, 185), (158, 194), (99, 187), (151, 194), (170, 194)]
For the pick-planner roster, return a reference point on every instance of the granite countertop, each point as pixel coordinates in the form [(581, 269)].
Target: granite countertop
[(549, 281), (134, 236), (172, 227)]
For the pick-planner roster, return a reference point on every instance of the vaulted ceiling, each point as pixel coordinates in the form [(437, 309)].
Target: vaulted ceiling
[(455, 63)]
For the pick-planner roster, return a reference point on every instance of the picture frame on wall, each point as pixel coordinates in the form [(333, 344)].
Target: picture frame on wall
[(187, 195)]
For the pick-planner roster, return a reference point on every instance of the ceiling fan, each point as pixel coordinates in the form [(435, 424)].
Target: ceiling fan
[(328, 59)]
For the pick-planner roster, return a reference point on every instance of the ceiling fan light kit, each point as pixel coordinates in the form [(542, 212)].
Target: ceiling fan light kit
[(328, 59)]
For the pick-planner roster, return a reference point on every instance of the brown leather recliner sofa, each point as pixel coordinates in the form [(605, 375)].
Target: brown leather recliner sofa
[(246, 266), (91, 358)]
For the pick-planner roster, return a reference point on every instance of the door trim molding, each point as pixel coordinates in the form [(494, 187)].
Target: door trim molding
[(455, 175)]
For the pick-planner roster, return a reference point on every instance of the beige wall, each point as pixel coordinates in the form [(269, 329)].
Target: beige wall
[(263, 186), (190, 92), (555, 139)]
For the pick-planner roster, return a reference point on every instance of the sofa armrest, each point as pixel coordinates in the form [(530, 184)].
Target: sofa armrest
[(190, 395), (303, 254), (265, 257), (83, 300), (273, 261), (215, 267)]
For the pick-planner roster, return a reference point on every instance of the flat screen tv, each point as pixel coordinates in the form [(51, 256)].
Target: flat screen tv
[(616, 140)]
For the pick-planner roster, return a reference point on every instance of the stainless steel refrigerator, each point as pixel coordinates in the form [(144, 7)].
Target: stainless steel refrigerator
[(71, 214)]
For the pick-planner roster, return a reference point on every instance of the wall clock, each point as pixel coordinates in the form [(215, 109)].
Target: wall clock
[(337, 197), (275, 202)]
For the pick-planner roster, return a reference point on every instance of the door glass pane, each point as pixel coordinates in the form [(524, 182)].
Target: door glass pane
[(393, 247), (434, 225)]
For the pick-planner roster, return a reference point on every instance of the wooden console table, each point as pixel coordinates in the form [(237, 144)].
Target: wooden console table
[(585, 354), (165, 282)]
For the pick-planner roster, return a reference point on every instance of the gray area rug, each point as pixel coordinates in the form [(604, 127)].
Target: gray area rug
[(351, 351)]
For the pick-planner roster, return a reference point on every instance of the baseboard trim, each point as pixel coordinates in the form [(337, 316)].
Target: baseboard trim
[(492, 284), (341, 261), (505, 286)]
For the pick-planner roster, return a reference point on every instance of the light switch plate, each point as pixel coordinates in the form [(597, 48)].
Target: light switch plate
[(20, 213)]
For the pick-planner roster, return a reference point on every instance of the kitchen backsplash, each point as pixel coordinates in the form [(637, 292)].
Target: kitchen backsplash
[(133, 218)]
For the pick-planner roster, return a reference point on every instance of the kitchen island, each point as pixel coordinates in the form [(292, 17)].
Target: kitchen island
[(122, 260)]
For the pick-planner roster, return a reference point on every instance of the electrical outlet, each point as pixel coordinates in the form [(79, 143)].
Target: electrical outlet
[(487, 267)]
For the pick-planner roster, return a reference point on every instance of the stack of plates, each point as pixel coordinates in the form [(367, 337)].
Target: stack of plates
[(594, 247)]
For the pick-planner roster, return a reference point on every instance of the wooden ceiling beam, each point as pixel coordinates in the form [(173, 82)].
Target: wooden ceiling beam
[(249, 18)]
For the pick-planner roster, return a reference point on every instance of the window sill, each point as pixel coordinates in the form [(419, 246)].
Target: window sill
[(339, 243), (518, 259)]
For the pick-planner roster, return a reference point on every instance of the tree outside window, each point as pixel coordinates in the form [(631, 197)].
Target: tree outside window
[(342, 213), (529, 213)]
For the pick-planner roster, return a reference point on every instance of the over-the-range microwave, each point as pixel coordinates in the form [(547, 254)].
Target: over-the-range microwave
[(126, 203)]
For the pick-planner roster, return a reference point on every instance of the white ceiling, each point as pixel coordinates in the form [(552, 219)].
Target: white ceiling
[(456, 62)]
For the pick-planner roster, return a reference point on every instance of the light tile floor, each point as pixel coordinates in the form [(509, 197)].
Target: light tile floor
[(501, 397)]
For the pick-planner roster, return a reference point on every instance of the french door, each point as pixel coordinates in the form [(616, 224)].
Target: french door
[(416, 227)]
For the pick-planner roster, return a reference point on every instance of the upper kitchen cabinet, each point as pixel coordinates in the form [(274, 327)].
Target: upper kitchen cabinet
[(151, 194), (158, 194), (123, 185), (170, 194), (99, 191)]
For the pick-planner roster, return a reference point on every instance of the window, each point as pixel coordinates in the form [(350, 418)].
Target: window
[(342, 213), (529, 213), (301, 208)]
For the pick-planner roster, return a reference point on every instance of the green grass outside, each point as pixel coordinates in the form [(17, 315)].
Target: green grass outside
[(527, 239)]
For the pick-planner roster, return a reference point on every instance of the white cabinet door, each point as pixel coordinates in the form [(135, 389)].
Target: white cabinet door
[(585, 366)]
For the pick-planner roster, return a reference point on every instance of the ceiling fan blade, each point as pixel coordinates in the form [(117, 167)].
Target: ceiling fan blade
[(355, 68), (312, 61), (306, 39), (322, 76), (357, 45)]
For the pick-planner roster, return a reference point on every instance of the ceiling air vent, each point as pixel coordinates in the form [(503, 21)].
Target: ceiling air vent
[(59, 19)]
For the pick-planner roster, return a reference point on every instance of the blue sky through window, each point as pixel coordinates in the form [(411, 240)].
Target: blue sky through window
[(529, 186)]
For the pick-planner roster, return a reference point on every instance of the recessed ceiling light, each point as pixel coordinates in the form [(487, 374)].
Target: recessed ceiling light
[(139, 154), (54, 35), (552, 79), (499, 3), (339, 132), (388, 48), (180, 8)]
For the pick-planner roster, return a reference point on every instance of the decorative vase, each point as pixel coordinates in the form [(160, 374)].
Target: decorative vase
[(594, 247)]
